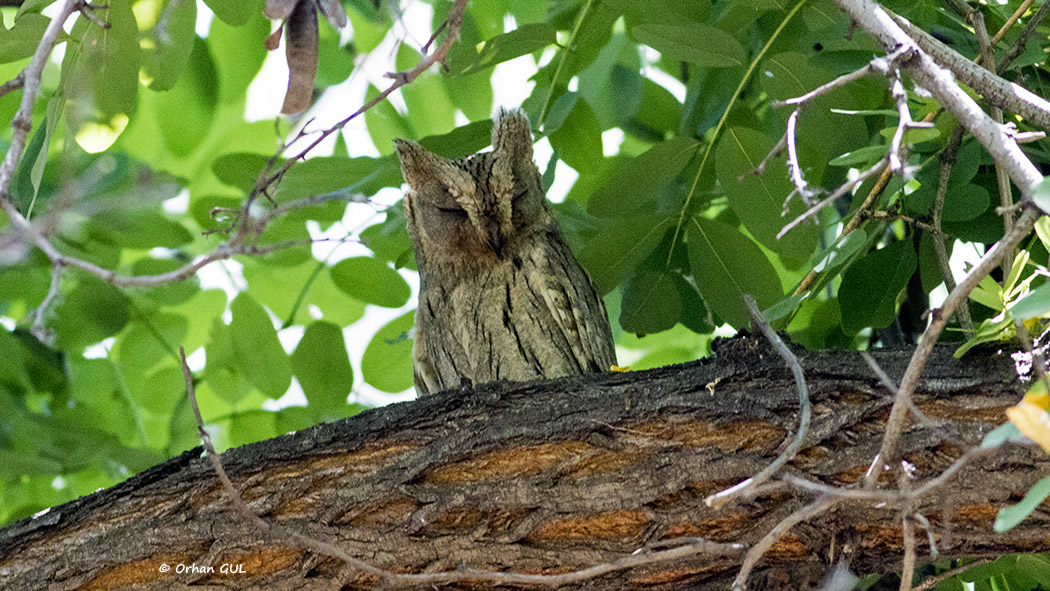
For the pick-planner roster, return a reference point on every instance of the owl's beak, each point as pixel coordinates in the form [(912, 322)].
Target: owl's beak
[(493, 236)]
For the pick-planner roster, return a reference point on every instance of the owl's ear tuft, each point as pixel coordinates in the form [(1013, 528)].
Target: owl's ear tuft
[(511, 135), (418, 164)]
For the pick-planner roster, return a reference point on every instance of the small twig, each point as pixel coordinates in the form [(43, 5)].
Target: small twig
[(805, 411), (165, 20), (13, 84), (947, 161), (881, 65), (758, 550), (930, 538), (88, 12), (890, 385), (935, 580), (793, 165), (454, 21), (1022, 39), (890, 497), (842, 190), (775, 152), (1023, 8), (892, 216), (22, 121), (907, 530), (38, 327)]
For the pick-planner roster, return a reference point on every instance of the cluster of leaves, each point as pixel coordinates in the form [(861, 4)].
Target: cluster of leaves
[(674, 228)]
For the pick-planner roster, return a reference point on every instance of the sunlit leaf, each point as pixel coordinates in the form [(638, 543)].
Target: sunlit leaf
[(256, 349), (387, 362)]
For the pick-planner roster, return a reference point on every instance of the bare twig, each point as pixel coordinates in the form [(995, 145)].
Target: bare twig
[(933, 581), (907, 530), (455, 20), (22, 121), (1022, 39), (1003, 149), (758, 550), (1006, 95), (38, 328), (13, 84), (805, 411), (947, 160)]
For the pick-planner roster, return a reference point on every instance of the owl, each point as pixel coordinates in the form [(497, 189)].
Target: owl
[(501, 295)]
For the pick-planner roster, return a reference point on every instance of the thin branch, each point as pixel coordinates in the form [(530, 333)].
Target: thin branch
[(995, 138), (1006, 95), (455, 20), (947, 161), (805, 411), (907, 531), (758, 550), (38, 327), (22, 121), (1022, 39), (13, 84), (935, 580)]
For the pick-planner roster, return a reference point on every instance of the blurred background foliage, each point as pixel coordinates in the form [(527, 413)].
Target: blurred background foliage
[(654, 115)]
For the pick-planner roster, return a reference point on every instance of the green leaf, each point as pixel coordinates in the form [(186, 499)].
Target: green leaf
[(385, 124), (1035, 304), (387, 362), (370, 280), (239, 169), (1009, 517), (245, 43), (964, 202), (187, 110), (726, 265), (861, 156), (579, 139), (696, 43), (651, 302), (12, 363), (335, 173), (758, 200), (521, 41), (137, 228), (461, 141), (234, 12), (323, 368), (103, 67), (282, 289), (389, 239), (22, 39), (639, 180), (164, 63), (872, 285), (615, 251), (90, 312), (256, 348)]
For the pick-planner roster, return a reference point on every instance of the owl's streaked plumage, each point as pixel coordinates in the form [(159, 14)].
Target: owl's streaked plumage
[(501, 295)]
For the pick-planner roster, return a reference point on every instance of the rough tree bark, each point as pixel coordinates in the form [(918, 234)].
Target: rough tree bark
[(551, 476)]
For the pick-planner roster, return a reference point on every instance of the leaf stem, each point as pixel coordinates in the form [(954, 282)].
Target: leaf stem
[(561, 63), (721, 122)]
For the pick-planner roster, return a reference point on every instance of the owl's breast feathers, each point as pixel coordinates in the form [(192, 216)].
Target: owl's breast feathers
[(534, 313)]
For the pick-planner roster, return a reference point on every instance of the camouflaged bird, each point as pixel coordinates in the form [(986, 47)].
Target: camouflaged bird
[(501, 295)]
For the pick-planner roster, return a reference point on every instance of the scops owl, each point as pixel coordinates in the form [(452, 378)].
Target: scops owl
[(501, 295)]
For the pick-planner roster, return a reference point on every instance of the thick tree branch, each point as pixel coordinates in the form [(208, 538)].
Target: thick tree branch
[(564, 478)]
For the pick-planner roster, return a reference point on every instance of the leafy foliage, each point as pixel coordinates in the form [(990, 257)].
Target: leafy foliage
[(683, 219)]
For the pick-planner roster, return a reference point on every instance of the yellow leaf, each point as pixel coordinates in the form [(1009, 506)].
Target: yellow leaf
[(1038, 395), (1033, 421), (620, 368)]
